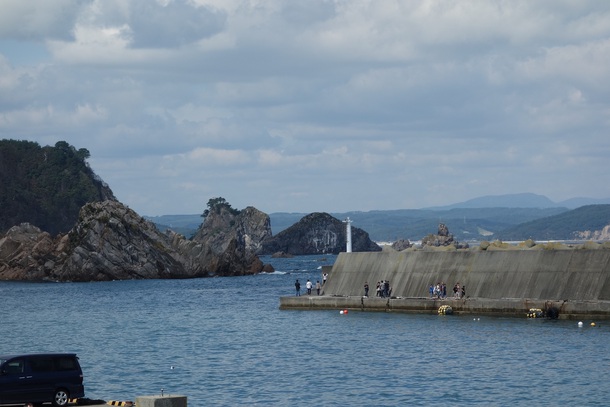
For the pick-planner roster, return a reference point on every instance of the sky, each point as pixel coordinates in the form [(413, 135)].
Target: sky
[(317, 105)]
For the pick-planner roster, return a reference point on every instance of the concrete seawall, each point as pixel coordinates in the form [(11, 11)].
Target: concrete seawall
[(502, 282)]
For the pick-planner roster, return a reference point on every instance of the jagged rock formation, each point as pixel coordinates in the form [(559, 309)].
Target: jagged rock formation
[(250, 227), (112, 242), (26, 252), (234, 236), (317, 233), (401, 244), (442, 239), (98, 238)]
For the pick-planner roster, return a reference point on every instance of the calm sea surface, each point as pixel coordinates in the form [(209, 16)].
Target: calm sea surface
[(224, 342)]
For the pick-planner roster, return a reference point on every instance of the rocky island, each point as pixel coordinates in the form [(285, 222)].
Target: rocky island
[(61, 222), (112, 242), (317, 233)]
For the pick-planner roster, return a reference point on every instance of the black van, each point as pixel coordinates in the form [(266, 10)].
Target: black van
[(40, 378)]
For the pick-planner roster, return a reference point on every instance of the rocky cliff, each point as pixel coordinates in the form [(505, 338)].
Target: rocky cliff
[(317, 233), (234, 237), (112, 242), (249, 227)]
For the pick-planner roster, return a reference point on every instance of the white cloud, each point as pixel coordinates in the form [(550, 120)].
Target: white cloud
[(171, 23), (320, 105), (30, 20)]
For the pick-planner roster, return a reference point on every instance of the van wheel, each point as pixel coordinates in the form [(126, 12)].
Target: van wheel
[(61, 397)]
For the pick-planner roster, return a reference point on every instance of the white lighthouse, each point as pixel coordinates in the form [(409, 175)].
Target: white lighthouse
[(348, 233)]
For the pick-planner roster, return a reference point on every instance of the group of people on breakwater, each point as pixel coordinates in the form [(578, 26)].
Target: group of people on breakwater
[(383, 289), (439, 290), (308, 286)]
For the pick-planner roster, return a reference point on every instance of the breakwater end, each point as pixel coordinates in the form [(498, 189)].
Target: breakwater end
[(499, 282)]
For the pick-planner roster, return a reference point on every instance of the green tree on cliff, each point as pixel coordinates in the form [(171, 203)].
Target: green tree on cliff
[(216, 204)]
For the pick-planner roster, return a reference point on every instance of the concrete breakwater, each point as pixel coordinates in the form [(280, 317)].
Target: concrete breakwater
[(500, 282)]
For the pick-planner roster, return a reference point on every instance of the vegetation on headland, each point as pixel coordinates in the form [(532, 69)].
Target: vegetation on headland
[(46, 186), (216, 205)]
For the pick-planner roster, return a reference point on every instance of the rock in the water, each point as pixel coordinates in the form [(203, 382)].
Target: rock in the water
[(318, 233), (112, 242), (268, 268)]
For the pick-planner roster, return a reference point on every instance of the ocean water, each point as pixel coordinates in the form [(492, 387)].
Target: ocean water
[(224, 342)]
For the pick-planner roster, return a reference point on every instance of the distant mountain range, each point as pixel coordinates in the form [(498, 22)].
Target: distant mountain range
[(523, 200), (485, 218)]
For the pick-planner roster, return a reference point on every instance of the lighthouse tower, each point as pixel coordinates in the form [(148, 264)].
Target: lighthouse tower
[(348, 233)]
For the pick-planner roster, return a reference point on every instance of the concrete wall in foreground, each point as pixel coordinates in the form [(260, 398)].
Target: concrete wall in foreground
[(537, 274)]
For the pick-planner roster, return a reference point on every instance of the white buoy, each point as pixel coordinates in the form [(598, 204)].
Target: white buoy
[(341, 312), (580, 324)]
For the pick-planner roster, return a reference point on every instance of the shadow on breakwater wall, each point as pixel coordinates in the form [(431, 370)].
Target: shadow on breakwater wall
[(499, 282)]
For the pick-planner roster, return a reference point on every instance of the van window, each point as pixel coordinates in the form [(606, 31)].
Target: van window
[(14, 367), (41, 364), (66, 363)]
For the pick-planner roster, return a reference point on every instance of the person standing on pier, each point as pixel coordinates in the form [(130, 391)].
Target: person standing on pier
[(366, 289), (318, 286), (297, 286), (309, 286)]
